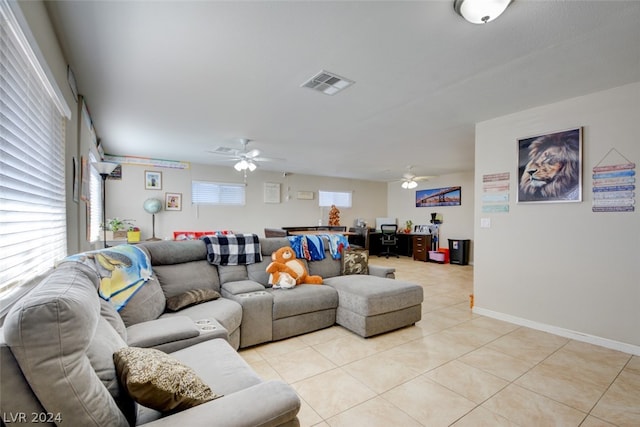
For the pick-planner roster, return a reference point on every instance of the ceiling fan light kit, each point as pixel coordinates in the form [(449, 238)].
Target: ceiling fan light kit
[(480, 11), (246, 160), (410, 180), (244, 165), (409, 184)]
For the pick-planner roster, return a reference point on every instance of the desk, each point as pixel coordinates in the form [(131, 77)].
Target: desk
[(404, 246), (421, 247)]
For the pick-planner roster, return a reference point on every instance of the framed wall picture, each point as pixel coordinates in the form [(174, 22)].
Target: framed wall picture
[(305, 195), (116, 174), (85, 179), (271, 192), (75, 180), (446, 196), (550, 167), (173, 201), (71, 78), (152, 180)]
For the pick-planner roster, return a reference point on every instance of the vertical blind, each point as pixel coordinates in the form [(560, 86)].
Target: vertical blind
[(32, 135)]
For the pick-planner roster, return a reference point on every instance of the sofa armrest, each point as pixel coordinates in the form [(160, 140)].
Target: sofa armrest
[(380, 271), (270, 403), (161, 331)]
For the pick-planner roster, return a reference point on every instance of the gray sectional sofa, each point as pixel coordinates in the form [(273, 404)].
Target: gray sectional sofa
[(368, 304), (57, 366), (59, 340)]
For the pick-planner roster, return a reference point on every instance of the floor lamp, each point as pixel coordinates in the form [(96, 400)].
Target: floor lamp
[(153, 206), (104, 169)]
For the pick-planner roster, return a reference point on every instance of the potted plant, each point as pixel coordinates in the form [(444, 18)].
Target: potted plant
[(407, 226), (118, 228)]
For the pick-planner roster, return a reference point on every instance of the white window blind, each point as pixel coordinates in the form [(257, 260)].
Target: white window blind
[(95, 196), (217, 193), (32, 190), (341, 199)]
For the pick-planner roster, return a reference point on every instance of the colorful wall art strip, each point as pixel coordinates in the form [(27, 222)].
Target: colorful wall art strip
[(614, 188), (495, 192), (144, 161)]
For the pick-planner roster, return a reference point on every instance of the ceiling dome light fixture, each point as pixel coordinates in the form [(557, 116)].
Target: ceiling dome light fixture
[(480, 11)]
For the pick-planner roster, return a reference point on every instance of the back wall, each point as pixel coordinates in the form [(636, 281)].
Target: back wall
[(125, 198), (457, 220)]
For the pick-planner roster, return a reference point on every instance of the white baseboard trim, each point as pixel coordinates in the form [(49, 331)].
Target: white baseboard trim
[(567, 333)]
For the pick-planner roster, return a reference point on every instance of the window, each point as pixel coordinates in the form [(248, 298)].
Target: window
[(217, 193), (95, 195), (341, 199), (32, 178)]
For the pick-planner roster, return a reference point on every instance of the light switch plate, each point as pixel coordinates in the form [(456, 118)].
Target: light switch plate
[(485, 222)]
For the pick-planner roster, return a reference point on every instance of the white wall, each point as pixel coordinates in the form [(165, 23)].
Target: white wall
[(125, 198), (457, 220), (560, 266)]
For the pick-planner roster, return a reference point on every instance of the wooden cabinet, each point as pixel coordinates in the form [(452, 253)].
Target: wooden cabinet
[(421, 246)]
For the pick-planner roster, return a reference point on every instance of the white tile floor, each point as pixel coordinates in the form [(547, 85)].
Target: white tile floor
[(452, 368)]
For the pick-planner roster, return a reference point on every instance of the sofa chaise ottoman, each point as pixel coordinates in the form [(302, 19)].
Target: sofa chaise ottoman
[(368, 304), (373, 305)]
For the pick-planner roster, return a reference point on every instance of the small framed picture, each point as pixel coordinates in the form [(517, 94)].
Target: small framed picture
[(152, 180), (304, 195), (75, 180), (173, 201)]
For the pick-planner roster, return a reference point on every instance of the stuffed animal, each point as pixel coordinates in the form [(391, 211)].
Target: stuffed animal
[(284, 261), (285, 281)]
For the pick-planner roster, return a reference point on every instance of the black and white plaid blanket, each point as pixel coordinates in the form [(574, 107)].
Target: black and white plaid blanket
[(236, 249)]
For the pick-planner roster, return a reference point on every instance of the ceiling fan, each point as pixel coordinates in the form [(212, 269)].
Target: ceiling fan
[(410, 180), (245, 159)]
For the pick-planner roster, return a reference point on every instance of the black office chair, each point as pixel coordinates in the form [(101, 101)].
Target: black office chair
[(389, 239)]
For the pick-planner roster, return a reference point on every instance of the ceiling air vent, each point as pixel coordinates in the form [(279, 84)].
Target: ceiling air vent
[(327, 83), (224, 150)]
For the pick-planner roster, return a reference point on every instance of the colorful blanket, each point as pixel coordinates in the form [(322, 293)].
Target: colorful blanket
[(237, 249), (309, 247), (123, 270), (337, 244)]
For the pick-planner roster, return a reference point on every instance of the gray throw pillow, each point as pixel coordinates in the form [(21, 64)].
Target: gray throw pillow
[(189, 298), (159, 381)]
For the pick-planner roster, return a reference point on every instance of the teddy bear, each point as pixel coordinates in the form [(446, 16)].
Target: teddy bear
[(284, 260), (285, 281)]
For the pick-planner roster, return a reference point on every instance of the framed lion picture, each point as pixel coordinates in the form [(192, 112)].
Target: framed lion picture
[(550, 167)]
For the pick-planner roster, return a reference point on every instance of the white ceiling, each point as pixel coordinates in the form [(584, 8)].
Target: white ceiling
[(173, 79)]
